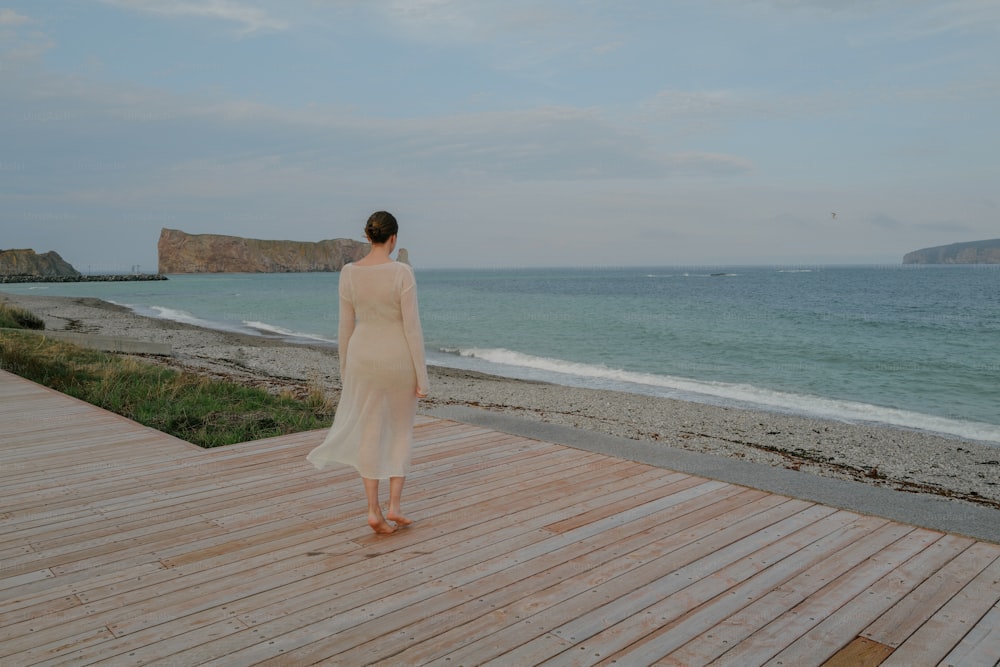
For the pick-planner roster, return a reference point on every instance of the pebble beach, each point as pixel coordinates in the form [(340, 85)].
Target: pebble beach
[(906, 460)]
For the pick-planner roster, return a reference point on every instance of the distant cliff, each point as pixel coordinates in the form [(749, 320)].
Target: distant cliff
[(180, 252), (29, 263), (972, 252)]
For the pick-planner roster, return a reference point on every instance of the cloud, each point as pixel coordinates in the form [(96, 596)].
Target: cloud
[(515, 36), (608, 47), (434, 13), (948, 227), (542, 143), (717, 164), (963, 17), (715, 103), (911, 19), (701, 105), (19, 43), (826, 6), (884, 221), (9, 17), (249, 19), (472, 20)]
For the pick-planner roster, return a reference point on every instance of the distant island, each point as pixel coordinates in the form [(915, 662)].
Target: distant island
[(972, 252), (24, 265), (180, 252)]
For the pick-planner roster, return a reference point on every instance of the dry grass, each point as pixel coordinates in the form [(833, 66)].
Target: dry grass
[(203, 411)]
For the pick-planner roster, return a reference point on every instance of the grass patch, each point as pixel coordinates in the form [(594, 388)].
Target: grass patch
[(206, 412), (13, 317)]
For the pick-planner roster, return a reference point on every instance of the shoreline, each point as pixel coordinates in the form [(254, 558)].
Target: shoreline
[(897, 458)]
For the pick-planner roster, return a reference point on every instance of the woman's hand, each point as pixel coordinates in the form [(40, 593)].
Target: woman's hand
[(421, 394)]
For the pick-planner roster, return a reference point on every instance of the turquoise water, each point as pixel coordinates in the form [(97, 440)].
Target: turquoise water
[(915, 347)]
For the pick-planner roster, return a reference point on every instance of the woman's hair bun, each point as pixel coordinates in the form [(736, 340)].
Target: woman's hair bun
[(381, 225)]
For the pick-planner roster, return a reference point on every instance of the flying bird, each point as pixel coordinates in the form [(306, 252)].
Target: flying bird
[(833, 214)]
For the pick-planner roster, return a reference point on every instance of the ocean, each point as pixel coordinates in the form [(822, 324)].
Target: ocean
[(910, 346)]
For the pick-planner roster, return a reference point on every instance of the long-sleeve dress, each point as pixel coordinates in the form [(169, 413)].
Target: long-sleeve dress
[(382, 366)]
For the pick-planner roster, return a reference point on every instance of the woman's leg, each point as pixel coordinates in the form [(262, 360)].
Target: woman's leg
[(375, 518), (395, 496)]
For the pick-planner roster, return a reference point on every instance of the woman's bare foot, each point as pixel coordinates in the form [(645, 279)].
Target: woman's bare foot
[(379, 525), (398, 518)]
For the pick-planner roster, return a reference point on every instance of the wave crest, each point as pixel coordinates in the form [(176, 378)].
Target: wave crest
[(600, 376)]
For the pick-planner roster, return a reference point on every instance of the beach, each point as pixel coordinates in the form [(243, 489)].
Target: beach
[(897, 458)]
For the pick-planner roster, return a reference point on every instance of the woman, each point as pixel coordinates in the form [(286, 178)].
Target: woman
[(382, 372)]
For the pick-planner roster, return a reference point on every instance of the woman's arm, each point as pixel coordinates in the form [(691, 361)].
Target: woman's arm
[(413, 331), (345, 327)]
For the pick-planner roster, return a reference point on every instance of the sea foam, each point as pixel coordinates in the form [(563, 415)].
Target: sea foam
[(598, 376), (273, 329)]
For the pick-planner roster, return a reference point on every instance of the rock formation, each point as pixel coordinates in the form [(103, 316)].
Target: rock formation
[(180, 252), (29, 263), (972, 252)]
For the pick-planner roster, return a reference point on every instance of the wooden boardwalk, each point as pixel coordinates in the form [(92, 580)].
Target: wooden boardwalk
[(120, 545)]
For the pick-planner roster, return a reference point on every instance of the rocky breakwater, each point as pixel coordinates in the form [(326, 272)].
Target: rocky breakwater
[(180, 252), (106, 278), (972, 252)]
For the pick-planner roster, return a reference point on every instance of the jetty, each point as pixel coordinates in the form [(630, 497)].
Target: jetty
[(82, 278)]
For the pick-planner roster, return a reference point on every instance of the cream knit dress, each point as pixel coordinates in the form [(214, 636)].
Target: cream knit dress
[(381, 347)]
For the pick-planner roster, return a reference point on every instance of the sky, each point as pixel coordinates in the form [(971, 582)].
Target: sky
[(503, 133)]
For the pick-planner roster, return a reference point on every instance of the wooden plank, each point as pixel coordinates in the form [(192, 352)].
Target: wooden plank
[(488, 534), (229, 564), (908, 614), (107, 611), (148, 646), (523, 641), (468, 533), (642, 599), (772, 644), (861, 652), (838, 629), (440, 589), (15, 580), (609, 507), (23, 596), (53, 650), (719, 640), (508, 570), (950, 624), (567, 567), (683, 615), (981, 645)]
